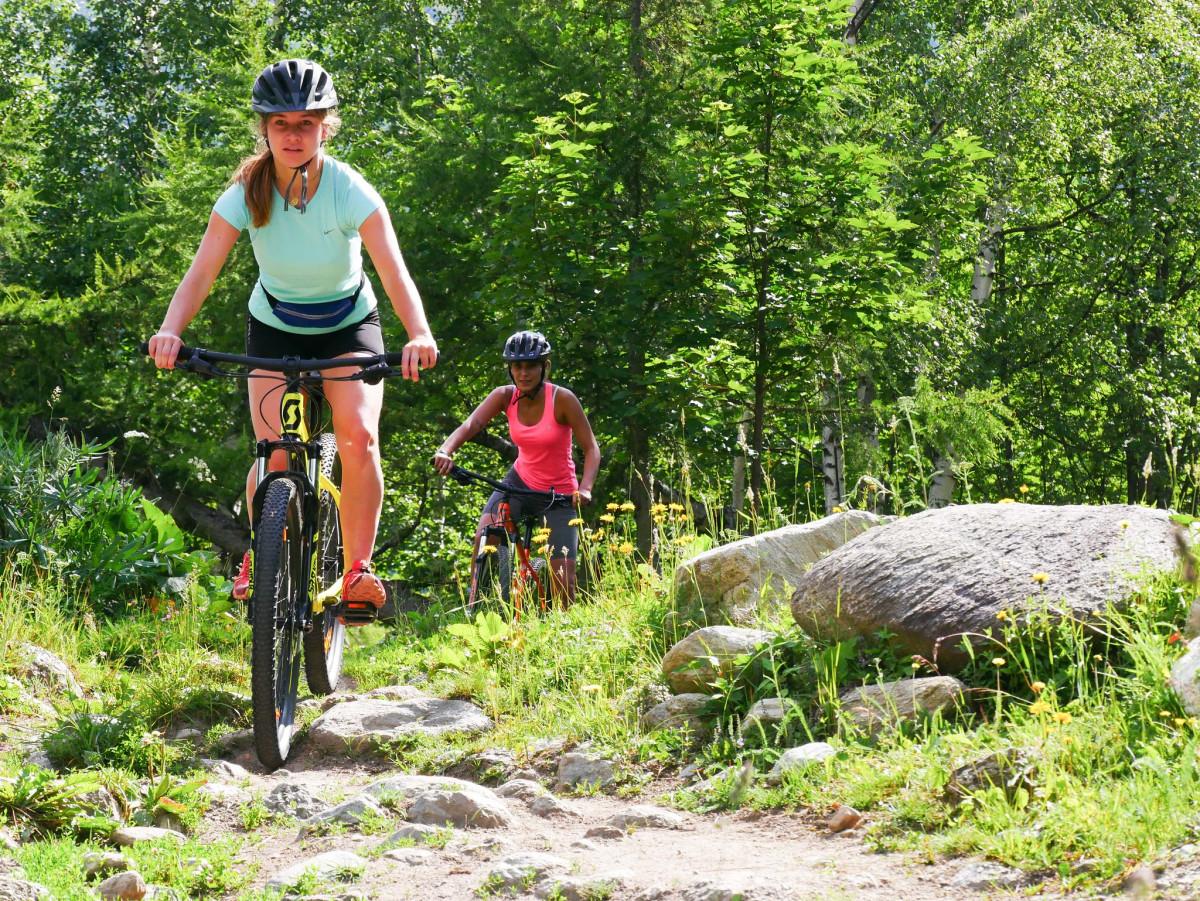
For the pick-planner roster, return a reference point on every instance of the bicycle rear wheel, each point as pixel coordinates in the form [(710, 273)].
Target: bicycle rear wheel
[(325, 643), (275, 650)]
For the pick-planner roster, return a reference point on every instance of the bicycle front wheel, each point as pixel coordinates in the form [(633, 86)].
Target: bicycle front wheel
[(325, 643), (275, 650)]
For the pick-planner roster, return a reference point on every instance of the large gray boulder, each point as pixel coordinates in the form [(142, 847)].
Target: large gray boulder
[(368, 724), (731, 581), (944, 573)]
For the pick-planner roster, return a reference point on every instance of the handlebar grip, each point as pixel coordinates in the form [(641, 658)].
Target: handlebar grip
[(182, 356)]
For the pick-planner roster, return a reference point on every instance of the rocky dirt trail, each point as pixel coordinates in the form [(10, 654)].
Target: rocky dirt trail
[(745, 855)]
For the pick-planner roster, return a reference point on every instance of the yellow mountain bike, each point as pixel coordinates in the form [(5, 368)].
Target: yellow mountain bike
[(296, 540)]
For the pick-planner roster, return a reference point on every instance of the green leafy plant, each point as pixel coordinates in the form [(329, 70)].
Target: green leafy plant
[(43, 802), (485, 637)]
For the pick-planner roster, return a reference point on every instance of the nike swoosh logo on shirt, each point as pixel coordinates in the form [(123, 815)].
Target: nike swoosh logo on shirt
[(328, 230)]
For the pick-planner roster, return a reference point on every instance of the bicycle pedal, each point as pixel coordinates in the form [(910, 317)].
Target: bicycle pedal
[(357, 613)]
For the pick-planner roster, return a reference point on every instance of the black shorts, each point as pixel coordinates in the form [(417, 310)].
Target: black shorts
[(564, 537), (265, 341)]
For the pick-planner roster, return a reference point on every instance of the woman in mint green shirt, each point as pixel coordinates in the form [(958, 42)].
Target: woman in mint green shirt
[(309, 216)]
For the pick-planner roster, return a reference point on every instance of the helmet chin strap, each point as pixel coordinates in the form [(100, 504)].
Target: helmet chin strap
[(302, 171)]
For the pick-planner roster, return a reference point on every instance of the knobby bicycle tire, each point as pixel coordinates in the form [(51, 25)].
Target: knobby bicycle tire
[(484, 580), (275, 650), (325, 643)]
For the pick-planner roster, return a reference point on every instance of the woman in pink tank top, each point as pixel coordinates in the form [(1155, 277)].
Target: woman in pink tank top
[(542, 420)]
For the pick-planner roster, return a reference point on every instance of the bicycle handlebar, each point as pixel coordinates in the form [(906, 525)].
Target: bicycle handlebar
[(205, 362), (466, 477)]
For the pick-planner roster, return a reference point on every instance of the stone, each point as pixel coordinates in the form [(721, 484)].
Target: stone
[(349, 813), (769, 712), (1185, 678), (101, 803), (40, 665), (680, 713), (581, 888), (518, 872), (1140, 882), (234, 742), (606, 833), (225, 770), (643, 816), (332, 865), (695, 662), (522, 789), (872, 708), (1010, 769), (795, 760), (418, 833), (128, 886), (582, 770), (730, 582), (294, 800), (843, 819), (395, 693), (547, 806), (22, 890), (414, 857), (986, 877), (477, 809), (939, 575), (127, 836), (364, 725)]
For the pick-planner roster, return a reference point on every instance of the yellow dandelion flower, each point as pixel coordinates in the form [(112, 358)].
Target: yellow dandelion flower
[(658, 508), (1040, 577), (1003, 614), (998, 661), (544, 530), (540, 539), (577, 521), (627, 506), (489, 549), (626, 548), (1006, 500), (676, 508), (590, 688), (685, 539), (606, 517), (659, 519), (1164, 713), (599, 536), (1125, 524), (1180, 721), (1037, 708), (1038, 686), (1063, 718), (915, 665), (1024, 489), (1067, 739), (613, 507)]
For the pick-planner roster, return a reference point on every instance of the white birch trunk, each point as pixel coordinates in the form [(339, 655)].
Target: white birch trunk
[(832, 463), (739, 464)]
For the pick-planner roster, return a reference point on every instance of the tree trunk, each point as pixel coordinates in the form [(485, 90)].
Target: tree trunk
[(739, 464), (832, 462), (943, 485), (859, 11)]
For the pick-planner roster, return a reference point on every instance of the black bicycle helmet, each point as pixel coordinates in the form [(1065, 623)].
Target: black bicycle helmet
[(293, 85), (526, 346)]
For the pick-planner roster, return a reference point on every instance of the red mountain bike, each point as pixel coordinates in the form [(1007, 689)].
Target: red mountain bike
[(503, 565)]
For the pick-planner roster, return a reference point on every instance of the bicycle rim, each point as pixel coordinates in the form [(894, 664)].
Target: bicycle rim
[(275, 651), (325, 644)]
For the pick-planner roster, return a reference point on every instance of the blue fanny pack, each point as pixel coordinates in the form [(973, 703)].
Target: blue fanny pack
[(325, 314)]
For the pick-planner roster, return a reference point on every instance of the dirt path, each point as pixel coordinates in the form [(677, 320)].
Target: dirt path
[(763, 856)]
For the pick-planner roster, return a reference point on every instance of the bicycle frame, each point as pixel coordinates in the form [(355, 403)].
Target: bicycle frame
[(526, 574)]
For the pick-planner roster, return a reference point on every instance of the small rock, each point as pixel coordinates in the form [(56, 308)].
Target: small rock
[(129, 886), (21, 890), (984, 877), (844, 818), (645, 817), (225, 769), (133, 835), (1140, 882), (519, 871), (414, 857), (579, 770), (340, 865), (584, 844), (291, 799), (233, 742), (799, 759), (526, 775), (548, 806), (523, 789), (580, 888), (415, 832), (350, 813), (97, 862), (489, 848), (605, 832)]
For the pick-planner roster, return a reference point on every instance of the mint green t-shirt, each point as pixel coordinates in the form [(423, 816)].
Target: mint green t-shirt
[(315, 257)]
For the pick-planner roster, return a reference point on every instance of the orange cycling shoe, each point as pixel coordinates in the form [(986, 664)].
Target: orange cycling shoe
[(362, 595), (245, 577)]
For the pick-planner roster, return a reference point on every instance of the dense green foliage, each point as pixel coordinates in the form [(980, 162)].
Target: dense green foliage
[(963, 240)]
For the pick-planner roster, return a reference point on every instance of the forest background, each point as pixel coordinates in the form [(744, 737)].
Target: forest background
[(791, 256)]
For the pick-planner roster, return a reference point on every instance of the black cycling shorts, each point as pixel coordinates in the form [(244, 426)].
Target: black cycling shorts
[(564, 537), (265, 341)]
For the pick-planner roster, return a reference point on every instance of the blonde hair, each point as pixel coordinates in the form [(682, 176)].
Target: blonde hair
[(256, 173)]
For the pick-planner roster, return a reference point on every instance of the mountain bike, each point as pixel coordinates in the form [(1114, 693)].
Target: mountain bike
[(503, 565), (295, 540)]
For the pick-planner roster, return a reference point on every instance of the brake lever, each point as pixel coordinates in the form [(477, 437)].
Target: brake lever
[(202, 367), (375, 373)]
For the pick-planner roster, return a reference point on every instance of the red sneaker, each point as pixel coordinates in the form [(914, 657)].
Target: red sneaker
[(245, 579), (362, 595)]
